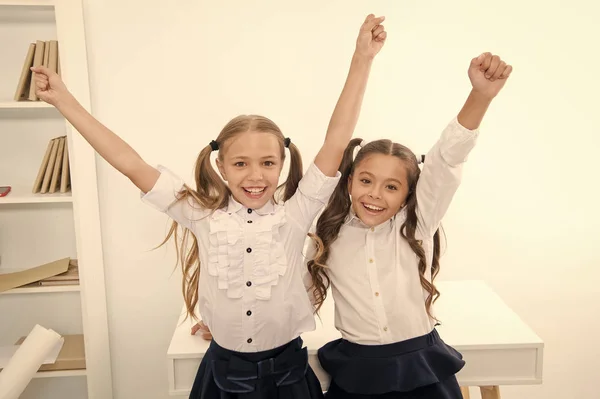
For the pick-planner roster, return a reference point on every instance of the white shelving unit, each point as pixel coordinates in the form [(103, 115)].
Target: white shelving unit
[(23, 104), (23, 195), (42, 290), (26, 3), (57, 374), (39, 228)]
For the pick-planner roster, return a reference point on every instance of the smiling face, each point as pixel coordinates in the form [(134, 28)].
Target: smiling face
[(378, 188), (251, 164)]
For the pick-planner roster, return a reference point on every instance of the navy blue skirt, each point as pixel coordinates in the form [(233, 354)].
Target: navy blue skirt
[(418, 368), (280, 373)]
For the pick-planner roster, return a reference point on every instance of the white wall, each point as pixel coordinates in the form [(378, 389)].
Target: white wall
[(168, 75)]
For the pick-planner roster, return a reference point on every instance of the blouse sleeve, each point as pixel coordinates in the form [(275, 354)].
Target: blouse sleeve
[(442, 175), (313, 193), (164, 197)]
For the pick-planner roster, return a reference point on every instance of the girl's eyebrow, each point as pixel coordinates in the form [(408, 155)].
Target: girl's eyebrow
[(245, 157), (387, 179)]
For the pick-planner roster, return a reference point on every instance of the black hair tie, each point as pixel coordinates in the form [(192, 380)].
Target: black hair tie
[(286, 142), (214, 145)]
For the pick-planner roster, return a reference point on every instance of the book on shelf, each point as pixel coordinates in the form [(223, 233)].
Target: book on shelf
[(39, 53), (33, 275), (70, 277), (70, 357), (60, 272), (58, 283), (54, 172)]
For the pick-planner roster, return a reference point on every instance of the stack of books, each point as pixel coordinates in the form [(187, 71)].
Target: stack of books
[(54, 173), (70, 277), (63, 271), (39, 53)]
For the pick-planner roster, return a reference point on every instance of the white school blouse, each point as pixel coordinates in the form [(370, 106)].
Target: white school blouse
[(250, 291), (374, 272)]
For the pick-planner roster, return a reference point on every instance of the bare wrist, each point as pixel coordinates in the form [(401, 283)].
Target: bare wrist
[(474, 109), (65, 101), (362, 59), (480, 97)]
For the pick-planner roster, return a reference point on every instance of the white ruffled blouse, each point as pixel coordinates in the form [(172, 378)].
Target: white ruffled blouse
[(250, 291)]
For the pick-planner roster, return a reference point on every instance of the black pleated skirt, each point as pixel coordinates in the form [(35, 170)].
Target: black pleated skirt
[(280, 373), (419, 368)]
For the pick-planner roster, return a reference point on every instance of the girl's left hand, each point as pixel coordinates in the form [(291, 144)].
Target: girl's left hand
[(488, 74), (204, 331), (371, 37)]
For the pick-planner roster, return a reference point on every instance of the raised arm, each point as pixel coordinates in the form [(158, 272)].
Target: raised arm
[(51, 89), (370, 40), (442, 170)]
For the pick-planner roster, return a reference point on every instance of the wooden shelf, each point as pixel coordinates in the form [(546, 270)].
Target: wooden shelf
[(22, 195), (24, 104), (61, 373), (42, 289)]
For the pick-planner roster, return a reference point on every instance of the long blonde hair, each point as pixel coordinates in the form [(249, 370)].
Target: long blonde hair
[(212, 193), (334, 214)]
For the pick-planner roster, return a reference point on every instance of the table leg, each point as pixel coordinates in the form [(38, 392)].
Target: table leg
[(465, 392), (490, 392)]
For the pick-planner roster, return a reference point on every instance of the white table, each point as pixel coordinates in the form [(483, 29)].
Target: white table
[(498, 347)]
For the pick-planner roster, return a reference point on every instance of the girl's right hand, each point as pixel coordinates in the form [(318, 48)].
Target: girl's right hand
[(49, 86), (204, 331), (371, 37)]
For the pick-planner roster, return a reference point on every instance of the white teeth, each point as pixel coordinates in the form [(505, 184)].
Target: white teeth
[(255, 190), (373, 207)]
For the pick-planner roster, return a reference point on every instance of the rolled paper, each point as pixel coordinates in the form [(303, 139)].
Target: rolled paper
[(26, 361)]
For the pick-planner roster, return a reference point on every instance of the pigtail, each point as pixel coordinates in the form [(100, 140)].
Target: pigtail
[(408, 230), (328, 227), (295, 173), (188, 259), (190, 268), (435, 262), (212, 192)]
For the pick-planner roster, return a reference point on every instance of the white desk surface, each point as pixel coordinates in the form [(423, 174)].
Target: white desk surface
[(498, 347)]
